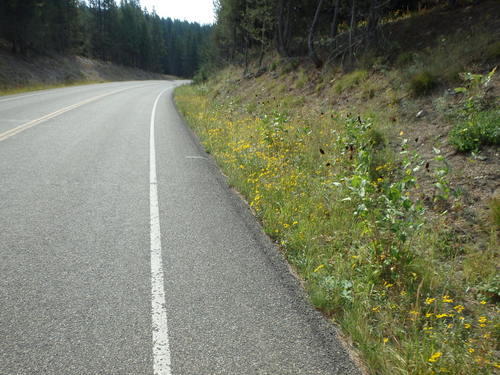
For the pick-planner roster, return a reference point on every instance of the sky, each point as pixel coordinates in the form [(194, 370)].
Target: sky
[(200, 11)]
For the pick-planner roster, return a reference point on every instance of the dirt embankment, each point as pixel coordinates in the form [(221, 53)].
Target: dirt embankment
[(20, 72)]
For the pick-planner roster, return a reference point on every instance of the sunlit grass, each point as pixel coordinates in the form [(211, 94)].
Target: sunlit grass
[(407, 300)]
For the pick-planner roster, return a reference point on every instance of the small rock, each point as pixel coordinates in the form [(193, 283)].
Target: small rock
[(421, 113)]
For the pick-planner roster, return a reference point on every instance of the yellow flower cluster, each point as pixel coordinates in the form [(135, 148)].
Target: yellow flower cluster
[(289, 172)]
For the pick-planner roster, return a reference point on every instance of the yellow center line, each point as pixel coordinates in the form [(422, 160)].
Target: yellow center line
[(23, 127)]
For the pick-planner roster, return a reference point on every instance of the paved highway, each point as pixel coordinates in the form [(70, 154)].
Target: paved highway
[(123, 251)]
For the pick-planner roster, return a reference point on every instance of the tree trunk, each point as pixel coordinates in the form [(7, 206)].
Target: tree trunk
[(287, 30), (310, 40), (262, 46), (335, 21), (373, 19), (245, 71), (351, 31), (283, 29)]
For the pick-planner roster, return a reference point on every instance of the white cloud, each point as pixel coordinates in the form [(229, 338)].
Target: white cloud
[(201, 11)]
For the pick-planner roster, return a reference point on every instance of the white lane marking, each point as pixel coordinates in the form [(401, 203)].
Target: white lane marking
[(47, 92), (161, 347), (29, 124), (20, 97)]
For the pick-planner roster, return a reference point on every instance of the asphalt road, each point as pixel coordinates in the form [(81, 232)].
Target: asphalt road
[(86, 197)]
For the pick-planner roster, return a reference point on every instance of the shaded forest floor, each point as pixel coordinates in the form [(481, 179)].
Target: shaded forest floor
[(19, 73), (381, 185)]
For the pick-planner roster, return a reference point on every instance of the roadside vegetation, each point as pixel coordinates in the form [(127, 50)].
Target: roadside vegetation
[(380, 186), (19, 75)]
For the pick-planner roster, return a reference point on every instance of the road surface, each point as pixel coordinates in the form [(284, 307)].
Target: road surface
[(123, 251)]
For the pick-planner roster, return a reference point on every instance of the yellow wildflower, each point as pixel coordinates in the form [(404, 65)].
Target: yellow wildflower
[(319, 267), (482, 319), (459, 308), (447, 299), (385, 340), (483, 302), (467, 325), (471, 350), (439, 316), (435, 357), (428, 300)]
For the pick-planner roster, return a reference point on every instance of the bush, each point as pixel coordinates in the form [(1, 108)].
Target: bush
[(350, 80), (290, 65), (478, 125), (480, 129), (423, 83), (201, 76), (492, 52), (495, 211), (404, 59)]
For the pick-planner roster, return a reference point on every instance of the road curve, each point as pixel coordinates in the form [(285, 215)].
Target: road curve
[(111, 266)]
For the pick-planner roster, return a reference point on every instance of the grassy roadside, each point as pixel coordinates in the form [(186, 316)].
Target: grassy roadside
[(368, 213), (37, 87), (380, 186), (343, 207), (21, 74)]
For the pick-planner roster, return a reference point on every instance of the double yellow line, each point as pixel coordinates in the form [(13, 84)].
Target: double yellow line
[(30, 124)]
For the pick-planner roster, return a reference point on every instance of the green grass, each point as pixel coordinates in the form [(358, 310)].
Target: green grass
[(423, 83), (302, 79), (343, 198), (480, 129), (344, 206), (495, 212), (350, 80)]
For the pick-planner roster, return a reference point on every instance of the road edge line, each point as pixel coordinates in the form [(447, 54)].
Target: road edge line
[(161, 347)]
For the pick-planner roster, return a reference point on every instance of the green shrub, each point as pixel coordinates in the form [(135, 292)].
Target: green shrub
[(492, 52), (368, 90), (201, 76), (302, 79), (478, 125), (290, 65), (274, 65), (404, 58), (495, 212), (350, 80), (423, 83), (482, 128)]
